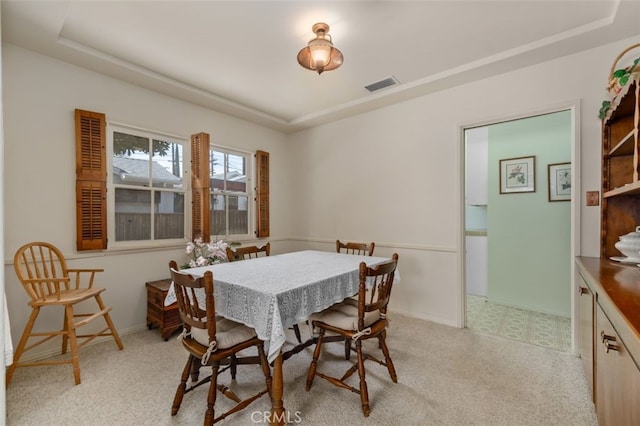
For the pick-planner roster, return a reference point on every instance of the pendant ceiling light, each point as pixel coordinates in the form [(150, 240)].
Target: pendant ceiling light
[(320, 55)]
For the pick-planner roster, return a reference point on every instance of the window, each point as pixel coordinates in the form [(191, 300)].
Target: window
[(145, 179), (230, 193), (223, 175), (146, 186)]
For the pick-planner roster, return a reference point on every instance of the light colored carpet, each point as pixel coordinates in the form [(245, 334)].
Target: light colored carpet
[(537, 328), (447, 376)]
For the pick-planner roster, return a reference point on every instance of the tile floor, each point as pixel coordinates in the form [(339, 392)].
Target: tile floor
[(550, 331)]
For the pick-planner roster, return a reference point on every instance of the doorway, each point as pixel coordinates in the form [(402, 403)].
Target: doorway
[(518, 239)]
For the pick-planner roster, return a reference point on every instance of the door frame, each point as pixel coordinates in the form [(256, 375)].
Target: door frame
[(576, 199)]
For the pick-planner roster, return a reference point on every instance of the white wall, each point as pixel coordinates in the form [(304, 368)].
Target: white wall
[(393, 175), (40, 95)]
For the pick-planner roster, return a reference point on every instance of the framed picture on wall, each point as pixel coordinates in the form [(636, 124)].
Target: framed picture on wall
[(559, 181), (518, 175)]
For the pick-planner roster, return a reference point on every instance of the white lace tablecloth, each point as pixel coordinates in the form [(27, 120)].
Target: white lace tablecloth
[(272, 293)]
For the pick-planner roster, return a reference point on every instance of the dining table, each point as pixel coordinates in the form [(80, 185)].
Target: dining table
[(272, 293)]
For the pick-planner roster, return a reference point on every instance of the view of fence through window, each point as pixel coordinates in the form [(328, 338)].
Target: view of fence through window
[(229, 193), (147, 176)]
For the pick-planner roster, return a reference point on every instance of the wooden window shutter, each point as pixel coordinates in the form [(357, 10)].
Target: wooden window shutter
[(262, 194), (91, 181), (200, 186)]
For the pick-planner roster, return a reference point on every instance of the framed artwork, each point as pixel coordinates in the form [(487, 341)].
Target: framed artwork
[(518, 175), (559, 181)]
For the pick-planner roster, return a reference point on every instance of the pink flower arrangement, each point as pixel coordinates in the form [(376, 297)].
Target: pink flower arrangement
[(203, 254)]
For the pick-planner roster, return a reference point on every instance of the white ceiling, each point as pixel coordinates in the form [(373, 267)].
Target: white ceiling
[(239, 57)]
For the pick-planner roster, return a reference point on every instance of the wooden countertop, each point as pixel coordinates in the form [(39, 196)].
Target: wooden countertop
[(617, 289)]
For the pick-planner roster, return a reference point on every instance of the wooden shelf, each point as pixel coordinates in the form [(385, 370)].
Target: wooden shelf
[(625, 146), (628, 189), (620, 212)]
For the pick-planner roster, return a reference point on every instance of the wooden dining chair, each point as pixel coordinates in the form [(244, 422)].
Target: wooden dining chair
[(358, 320), (248, 252), (210, 341), (43, 272), (252, 252), (362, 249)]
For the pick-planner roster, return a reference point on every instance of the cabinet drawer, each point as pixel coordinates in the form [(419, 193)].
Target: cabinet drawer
[(156, 297), (155, 311), (167, 318)]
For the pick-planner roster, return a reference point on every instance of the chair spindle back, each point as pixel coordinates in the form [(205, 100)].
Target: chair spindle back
[(249, 252), (375, 287), (42, 270), (192, 313), (362, 249)]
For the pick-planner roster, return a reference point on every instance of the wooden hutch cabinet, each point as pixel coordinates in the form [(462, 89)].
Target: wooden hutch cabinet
[(609, 337), (620, 169), (609, 302)]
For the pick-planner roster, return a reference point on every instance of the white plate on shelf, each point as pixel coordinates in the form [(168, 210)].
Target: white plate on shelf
[(625, 259)]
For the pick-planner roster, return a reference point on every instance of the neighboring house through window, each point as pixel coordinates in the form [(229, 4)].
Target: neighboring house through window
[(231, 192), (146, 185)]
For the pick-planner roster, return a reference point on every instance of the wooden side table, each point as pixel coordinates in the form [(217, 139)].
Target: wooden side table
[(167, 318)]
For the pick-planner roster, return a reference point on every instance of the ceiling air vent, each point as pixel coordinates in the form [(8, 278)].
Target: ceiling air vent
[(390, 81)]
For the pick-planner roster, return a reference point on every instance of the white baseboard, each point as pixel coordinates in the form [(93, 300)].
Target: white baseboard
[(435, 319)]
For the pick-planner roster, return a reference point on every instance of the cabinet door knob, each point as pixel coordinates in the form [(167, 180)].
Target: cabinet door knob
[(583, 290), (606, 338), (611, 346)]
